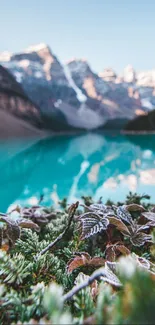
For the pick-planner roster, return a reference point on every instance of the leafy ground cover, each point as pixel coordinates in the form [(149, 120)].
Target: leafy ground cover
[(89, 263)]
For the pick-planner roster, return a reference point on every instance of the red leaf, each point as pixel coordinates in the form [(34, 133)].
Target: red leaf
[(111, 253), (84, 260)]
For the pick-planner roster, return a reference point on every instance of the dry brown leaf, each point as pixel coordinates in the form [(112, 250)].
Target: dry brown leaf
[(135, 207), (139, 239), (122, 249), (94, 289), (97, 261), (84, 260), (120, 225), (25, 223), (111, 253), (13, 232), (149, 215)]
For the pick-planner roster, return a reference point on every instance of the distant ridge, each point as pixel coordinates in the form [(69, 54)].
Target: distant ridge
[(73, 96)]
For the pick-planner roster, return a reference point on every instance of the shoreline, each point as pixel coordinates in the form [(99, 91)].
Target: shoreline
[(137, 132)]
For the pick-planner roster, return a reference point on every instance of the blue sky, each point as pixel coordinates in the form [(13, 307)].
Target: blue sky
[(108, 33)]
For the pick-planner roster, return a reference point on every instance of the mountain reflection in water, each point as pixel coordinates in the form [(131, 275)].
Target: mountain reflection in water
[(72, 166)]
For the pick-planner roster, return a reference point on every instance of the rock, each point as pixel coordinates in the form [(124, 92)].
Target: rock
[(108, 75), (146, 79), (129, 74)]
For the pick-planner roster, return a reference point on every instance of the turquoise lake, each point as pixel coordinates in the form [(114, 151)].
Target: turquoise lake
[(71, 166)]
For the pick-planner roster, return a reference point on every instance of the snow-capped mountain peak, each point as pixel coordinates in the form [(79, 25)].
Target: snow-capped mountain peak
[(108, 74), (129, 74), (83, 96), (36, 48), (79, 66), (33, 64), (5, 56)]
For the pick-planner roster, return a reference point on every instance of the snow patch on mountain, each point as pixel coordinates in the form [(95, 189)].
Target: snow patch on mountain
[(5, 56), (57, 103), (146, 103), (24, 63), (80, 96), (25, 69), (36, 48), (108, 75), (146, 78), (129, 74), (18, 76)]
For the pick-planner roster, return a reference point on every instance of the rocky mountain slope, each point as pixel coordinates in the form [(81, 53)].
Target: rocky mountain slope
[(140, 84), (18, 115), (74, 96)]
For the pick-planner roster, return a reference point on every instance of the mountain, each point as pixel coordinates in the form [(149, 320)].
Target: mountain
[(18, 115), (140, 85), (73, 96), (108, 98)]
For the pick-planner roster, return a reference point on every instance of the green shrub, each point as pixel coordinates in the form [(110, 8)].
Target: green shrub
[(92, 264)]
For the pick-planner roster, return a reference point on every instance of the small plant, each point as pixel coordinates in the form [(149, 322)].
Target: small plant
[(88, 264)]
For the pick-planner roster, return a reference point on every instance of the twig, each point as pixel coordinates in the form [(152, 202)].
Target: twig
[(41, 198), (95, 275), (103, 273), (72, 210)]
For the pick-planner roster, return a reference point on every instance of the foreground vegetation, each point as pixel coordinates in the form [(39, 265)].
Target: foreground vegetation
[(84, 264)]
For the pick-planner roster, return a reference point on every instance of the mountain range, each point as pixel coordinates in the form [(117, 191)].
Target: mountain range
[(37, 89)]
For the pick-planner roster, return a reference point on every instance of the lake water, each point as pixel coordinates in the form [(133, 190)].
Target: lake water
[(71, 166)]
